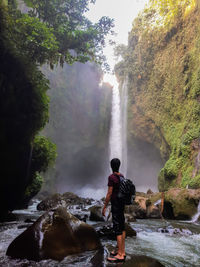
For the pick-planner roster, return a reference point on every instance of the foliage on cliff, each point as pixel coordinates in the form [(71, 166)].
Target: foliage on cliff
[(27, 41), (162, 62)]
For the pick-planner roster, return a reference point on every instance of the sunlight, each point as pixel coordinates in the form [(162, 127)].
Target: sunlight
[(111, 79), (190, 7)]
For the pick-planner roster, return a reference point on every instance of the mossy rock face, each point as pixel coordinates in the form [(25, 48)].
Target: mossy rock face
[(164, 94), (183, 202)]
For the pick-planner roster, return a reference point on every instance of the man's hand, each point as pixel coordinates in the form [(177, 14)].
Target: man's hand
[(108, 197), (104, 211)]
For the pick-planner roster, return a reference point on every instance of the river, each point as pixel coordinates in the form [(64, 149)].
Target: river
[(173, 243)]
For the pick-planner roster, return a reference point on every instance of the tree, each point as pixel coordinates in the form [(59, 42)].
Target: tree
[(58, 31)]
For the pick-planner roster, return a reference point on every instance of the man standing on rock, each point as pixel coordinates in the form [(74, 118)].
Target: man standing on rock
[(117, 209)]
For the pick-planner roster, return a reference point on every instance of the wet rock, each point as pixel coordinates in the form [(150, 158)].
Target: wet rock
[(81, 217), (138, 209), (153, 212), (149, 192), (52, 202), (131, 260), (181, 203), (72, 198), (130, 217), (175, 231), (67, 199), (8, 217), (29, 221), (23, 226), (105, 230), (54, 236), (139, 261), (96, 214)]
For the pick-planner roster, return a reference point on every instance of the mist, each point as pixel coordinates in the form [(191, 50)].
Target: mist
[(80, 110), (79, 124), (144, 164)]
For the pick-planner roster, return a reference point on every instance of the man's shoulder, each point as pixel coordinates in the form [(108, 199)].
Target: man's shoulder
[(113, 177)]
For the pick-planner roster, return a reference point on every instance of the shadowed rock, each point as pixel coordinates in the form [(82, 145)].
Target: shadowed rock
[(100, 259), (67, 199), (54, 236), (138, 261), (96, 214), (105, 230)]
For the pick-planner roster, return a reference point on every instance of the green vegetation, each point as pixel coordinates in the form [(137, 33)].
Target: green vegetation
[(51, 32), (162, 63)]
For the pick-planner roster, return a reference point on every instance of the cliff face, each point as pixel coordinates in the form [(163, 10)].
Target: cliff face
[(163, 66)]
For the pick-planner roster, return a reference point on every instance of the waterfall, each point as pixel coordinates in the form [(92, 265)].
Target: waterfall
[(118, 130), (124, 106), (196, 216)]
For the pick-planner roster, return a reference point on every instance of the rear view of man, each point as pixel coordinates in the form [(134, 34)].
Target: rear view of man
[(117, 209)]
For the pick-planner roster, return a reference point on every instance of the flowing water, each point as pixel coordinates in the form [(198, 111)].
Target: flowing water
[(197, 215), (173, 243), (118, 130)]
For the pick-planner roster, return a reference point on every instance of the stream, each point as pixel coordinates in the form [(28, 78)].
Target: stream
[(173, 243)]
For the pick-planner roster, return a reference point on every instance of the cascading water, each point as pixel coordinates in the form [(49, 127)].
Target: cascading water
[(118, 130), (124, 106), (197, 215)]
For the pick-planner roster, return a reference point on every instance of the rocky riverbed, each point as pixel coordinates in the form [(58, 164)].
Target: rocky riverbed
[(152, 242)]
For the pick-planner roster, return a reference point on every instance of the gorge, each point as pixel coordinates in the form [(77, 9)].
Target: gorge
[(149, 118)]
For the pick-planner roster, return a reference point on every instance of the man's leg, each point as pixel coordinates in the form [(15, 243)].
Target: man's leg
[(123, 242), (120, 253)]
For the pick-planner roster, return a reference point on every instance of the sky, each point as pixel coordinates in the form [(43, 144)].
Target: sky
[(123, 12)]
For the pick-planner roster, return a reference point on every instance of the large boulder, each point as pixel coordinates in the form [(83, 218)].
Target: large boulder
[(67, 199), (181, 203), (52, 202), (96, 214), (100, 259), (138, 208), (54, 236)]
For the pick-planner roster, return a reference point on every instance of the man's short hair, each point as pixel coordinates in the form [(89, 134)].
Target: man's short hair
[(115, 164)]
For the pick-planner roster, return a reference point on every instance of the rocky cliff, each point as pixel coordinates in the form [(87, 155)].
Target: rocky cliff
[(162, 63)]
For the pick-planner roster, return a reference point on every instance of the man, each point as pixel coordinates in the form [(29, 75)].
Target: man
[(117, 209)]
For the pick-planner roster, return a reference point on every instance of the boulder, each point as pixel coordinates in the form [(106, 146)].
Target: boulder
[(54, 236), (52, 202), (72, 199), (140, 261), (181, 203), (96, 214), (149, 192), (100, 259), (153, 212), (67, 199), (138, 208), (105, 230), (130, 217)]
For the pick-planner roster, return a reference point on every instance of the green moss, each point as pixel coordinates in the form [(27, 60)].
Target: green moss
[(44, 154), (164, 90), (34, 187), (194, 182), (186, 176), (171, 168)]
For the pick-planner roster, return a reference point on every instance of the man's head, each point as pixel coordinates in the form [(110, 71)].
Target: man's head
[(115, 164)]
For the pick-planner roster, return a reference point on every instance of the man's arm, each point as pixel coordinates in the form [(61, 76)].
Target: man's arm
[(108, 197)]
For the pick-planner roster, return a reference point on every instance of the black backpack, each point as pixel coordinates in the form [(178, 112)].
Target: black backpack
[(126, 192)]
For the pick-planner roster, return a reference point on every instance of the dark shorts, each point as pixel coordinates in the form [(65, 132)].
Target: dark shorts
[(117, 209)]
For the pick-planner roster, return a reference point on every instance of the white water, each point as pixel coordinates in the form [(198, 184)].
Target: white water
[(124, 106), (196, 216), (118, 130)]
